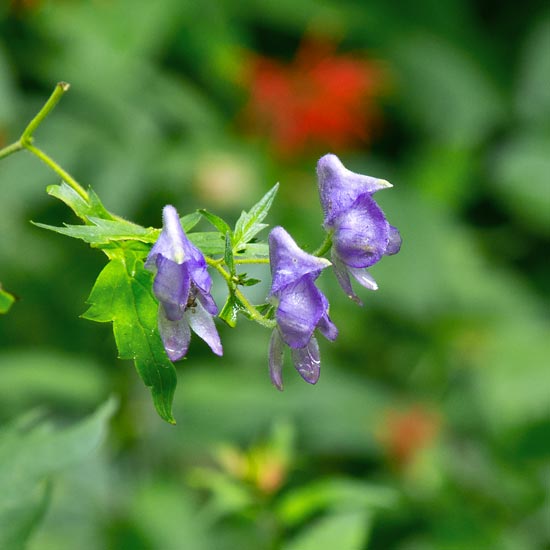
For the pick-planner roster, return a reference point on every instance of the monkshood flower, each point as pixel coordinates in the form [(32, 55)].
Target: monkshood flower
[(301, 308), (182, 287), (361, 234)]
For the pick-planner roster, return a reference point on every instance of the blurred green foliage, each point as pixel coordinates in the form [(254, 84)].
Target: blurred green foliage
[(430, 426)]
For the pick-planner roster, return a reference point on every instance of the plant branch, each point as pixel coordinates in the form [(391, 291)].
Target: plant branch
[(26, 140), (251, 261), (254, 314), (53, 100), (10, 149), (65, 176)]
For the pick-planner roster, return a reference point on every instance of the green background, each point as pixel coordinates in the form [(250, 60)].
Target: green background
[(449, 360)]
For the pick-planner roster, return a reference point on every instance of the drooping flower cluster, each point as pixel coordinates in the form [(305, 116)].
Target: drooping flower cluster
[(301, 308), (361, 232), (182, 287)]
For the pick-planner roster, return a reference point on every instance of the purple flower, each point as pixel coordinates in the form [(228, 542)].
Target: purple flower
[(301, 308), (182, 286), (361, 233)]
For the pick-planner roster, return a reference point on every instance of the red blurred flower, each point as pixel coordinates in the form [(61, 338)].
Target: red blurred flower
[(406, 433), (320, 100)]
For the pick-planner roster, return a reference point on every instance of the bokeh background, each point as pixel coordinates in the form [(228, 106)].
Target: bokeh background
[(430, 425)]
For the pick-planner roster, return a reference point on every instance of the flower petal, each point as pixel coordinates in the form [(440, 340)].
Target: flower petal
[(307, 361), (342, 275), (340, 187), (362, 233), (325, 325), (207, 302), (327, 328), (300, 309), (363, 277), (203, 326), (289, 262), (197, 266), (171, 287), (174, 245), (276, 359), (395, 241), (175, 335), (170, 243)]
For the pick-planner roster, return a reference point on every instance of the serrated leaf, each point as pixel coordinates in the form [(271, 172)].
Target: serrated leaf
[(122, 295), (6, 300), (105, 231), (221, 225), (231, 309), (249, 223), (77, 204)]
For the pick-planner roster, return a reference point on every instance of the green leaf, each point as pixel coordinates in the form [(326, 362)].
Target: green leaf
[(212, 243), (339, 494), (190, 220), (231, 310), (266, 310), (248, 282), (209, 242), (122, 294), (221, 225), (249, 224), (228, 254), (105, 231), (254, 251), (6, 300), (31, 451), (345, 531), (77, 204)]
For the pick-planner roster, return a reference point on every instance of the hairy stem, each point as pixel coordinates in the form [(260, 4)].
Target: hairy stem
[(251, 261)]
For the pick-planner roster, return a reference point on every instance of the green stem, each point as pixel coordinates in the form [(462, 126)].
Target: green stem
[(255, 315), (65, 176), (28, 132), (251, 261), (26, 139), (10, 149), (325, 245)]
